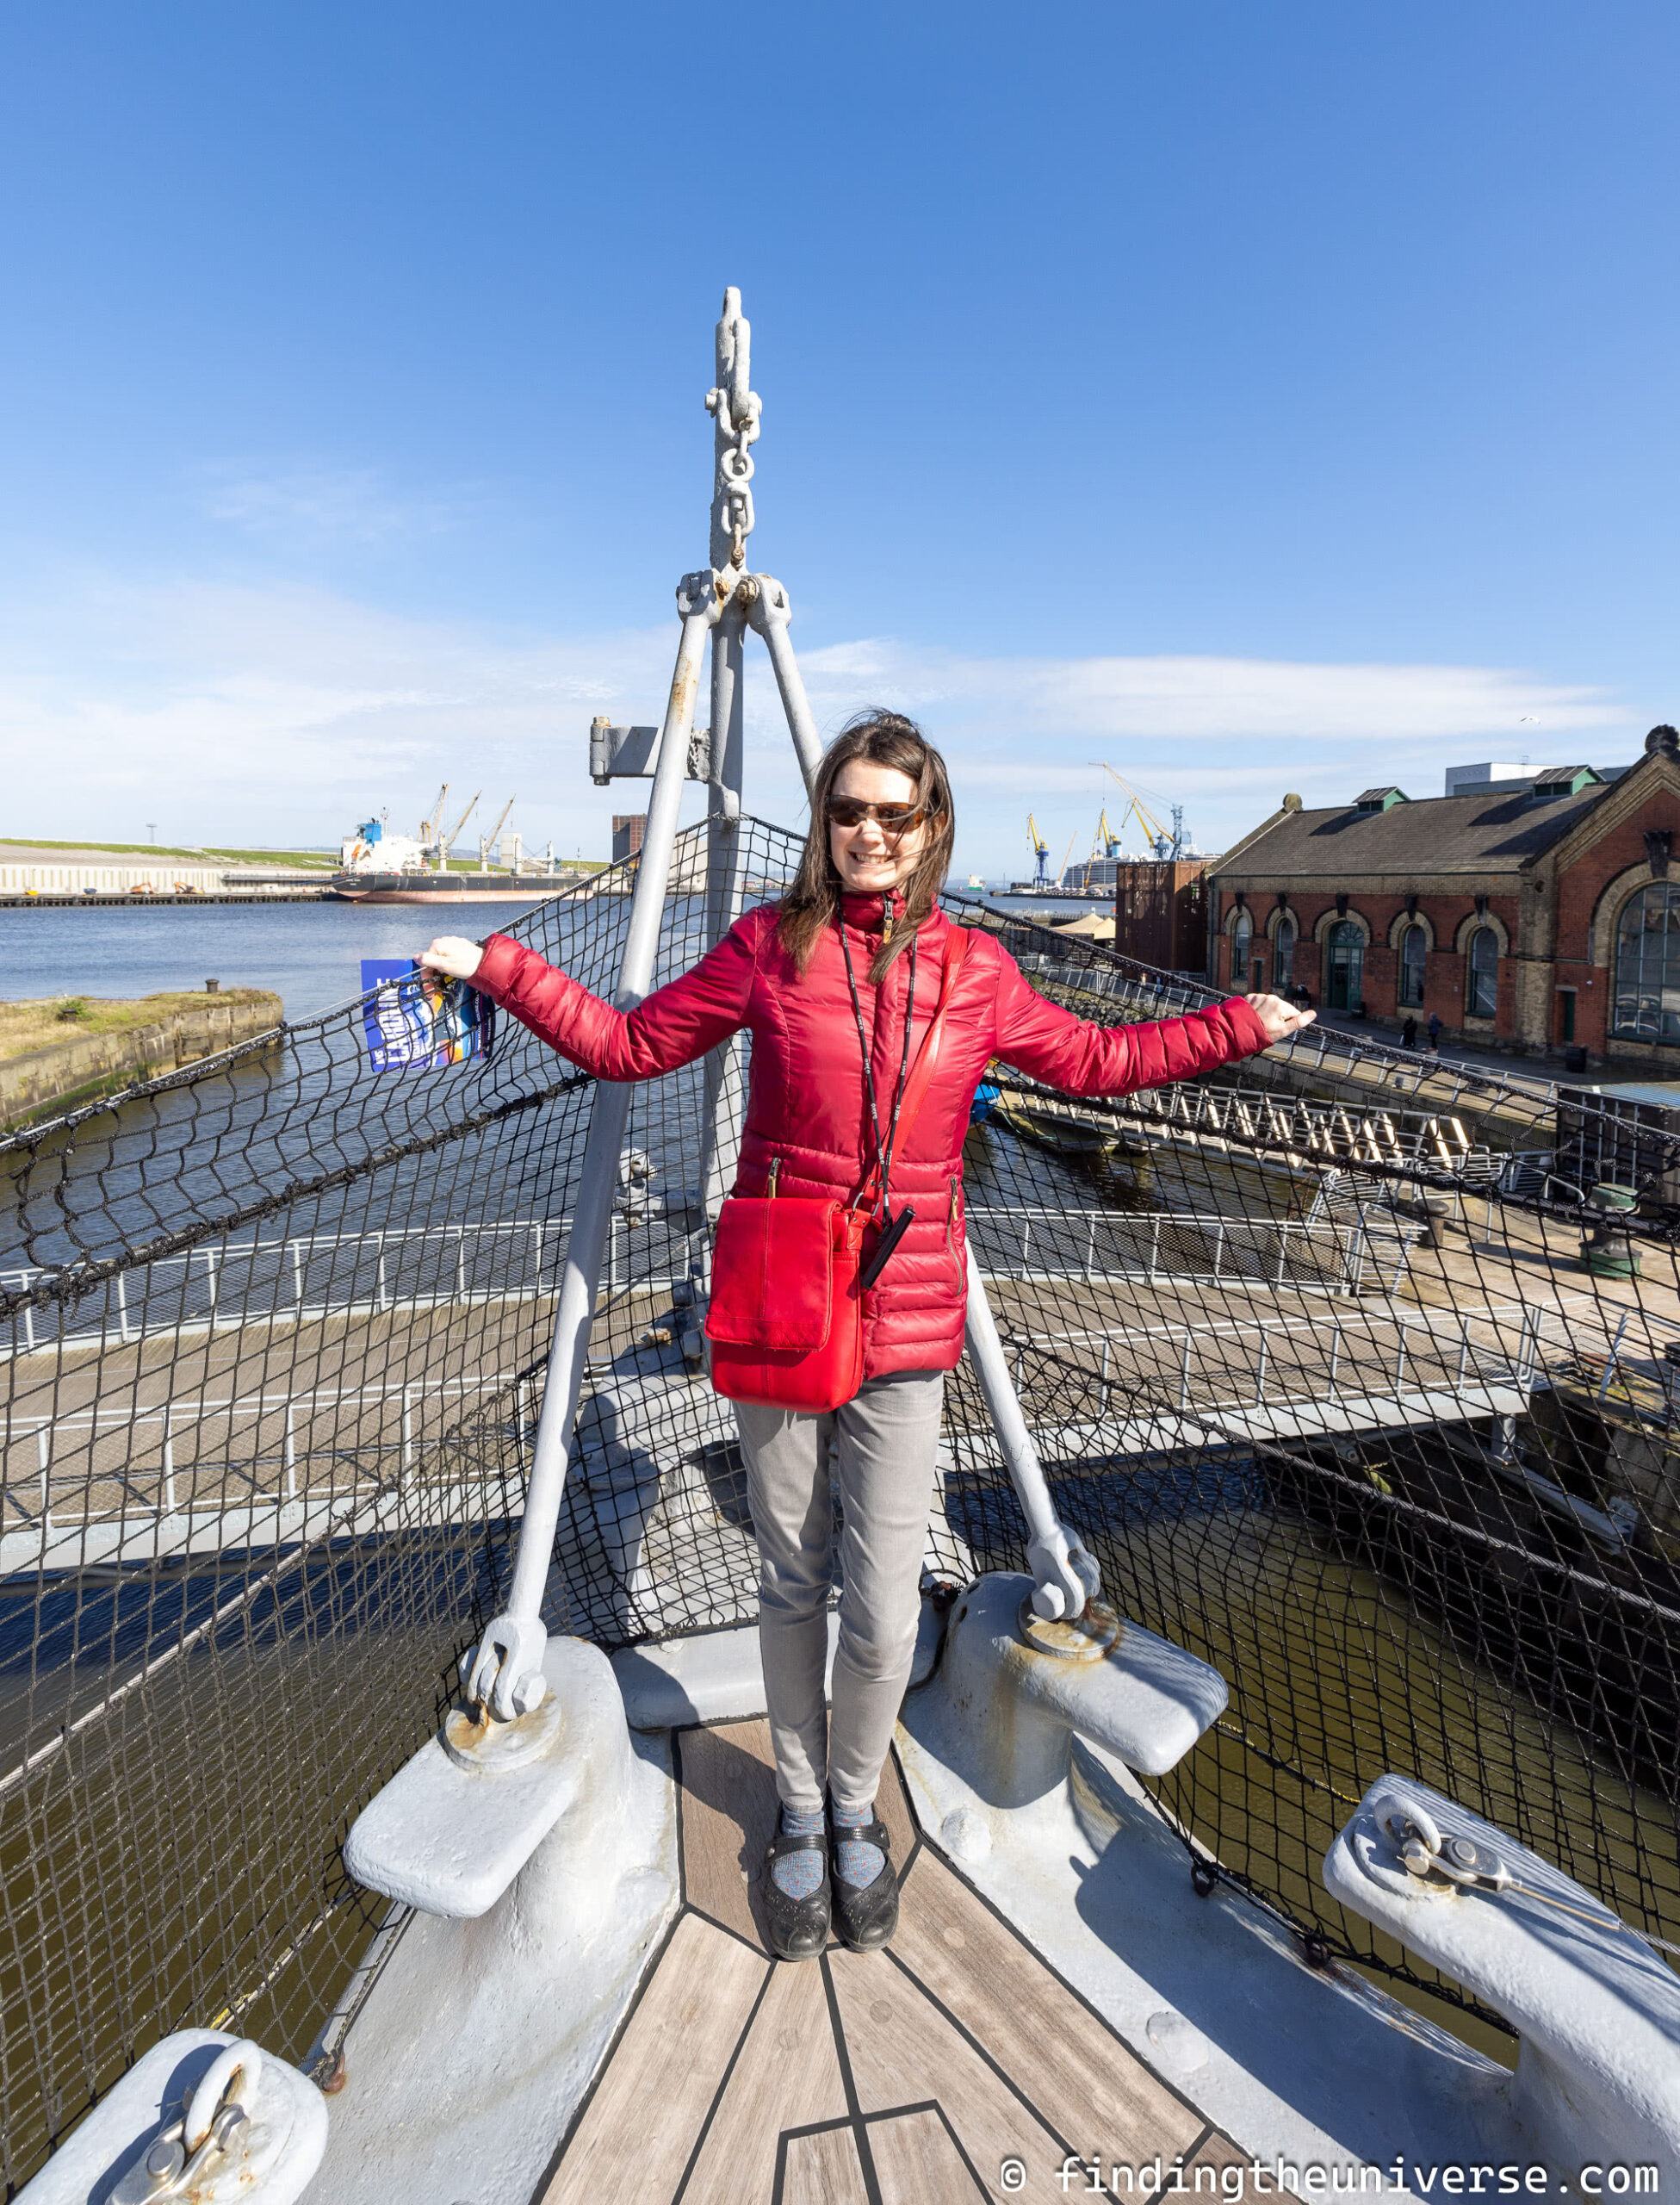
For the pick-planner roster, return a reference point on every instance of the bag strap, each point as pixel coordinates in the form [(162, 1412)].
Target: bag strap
[(921, 1071)]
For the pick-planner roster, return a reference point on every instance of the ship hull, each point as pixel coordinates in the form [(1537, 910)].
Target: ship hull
[(448, 888)]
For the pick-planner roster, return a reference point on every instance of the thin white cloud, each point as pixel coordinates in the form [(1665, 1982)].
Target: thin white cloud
[(1213, 697), (313, 502), (274, 714)]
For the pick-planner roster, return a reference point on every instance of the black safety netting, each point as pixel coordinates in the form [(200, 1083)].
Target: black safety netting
[(1309, 1348)]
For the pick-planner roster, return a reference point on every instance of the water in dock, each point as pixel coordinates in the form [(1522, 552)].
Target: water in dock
[(308, 954)]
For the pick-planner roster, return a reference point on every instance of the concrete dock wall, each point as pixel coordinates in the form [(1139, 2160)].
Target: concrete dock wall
[(119, 876), (88, 1065)]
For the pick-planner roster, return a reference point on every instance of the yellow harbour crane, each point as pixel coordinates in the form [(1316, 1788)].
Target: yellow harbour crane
[(1040, 850), (1105, 843), (1164, 844)]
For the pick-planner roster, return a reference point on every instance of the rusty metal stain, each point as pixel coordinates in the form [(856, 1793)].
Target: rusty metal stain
[(465, 1728), (682, 681), (1091, 1636)]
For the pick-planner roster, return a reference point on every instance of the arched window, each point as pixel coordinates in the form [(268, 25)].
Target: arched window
[(1344, 966), (1481, 994), (1283, 956), (1414, 947), (1646, 1001), (1242, 934)]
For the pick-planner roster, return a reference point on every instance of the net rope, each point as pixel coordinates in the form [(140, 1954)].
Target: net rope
[(1308, 1348)]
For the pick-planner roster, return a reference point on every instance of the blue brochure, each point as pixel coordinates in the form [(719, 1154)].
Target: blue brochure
[(417, 1019)]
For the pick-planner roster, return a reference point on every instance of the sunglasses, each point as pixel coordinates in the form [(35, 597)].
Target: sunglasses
[(891, 818)]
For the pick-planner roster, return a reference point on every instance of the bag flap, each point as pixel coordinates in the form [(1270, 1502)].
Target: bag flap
[(772, 1272)]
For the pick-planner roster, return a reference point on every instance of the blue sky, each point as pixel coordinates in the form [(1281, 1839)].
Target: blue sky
[(1257, 397)]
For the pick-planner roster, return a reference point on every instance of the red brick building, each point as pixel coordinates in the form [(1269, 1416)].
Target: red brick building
[(1161, 911), (1535, 913)]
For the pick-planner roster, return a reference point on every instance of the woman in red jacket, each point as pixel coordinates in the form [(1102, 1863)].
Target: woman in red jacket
[(837, 984)]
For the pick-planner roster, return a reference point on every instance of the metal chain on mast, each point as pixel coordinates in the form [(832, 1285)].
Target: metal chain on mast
[(734, 409)]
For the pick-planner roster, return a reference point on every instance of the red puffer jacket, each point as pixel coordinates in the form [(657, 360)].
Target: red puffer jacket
[(806, 1104)]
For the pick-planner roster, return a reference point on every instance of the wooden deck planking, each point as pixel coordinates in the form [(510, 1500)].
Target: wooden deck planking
[(638, 2131), (821, 2170), (1218, 2153), (729, 1807), (903, 2052), (919, 2161), (905, 2077), (729, 1811), (786, 2076), (1054, 2050)]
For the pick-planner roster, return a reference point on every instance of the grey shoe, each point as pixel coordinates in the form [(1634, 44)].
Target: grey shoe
[(866, 1915), (798, 1927)]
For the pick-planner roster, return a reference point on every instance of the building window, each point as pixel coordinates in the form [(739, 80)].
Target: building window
[(1344, 972), (1645, 1004), (1241, 934), (1283, 955), (1482, 974), (1414, 946)]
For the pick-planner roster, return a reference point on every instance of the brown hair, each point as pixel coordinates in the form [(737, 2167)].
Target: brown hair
[(813, 903)]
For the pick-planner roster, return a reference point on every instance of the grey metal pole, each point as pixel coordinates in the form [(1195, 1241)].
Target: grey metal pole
[(1065, 1572), (770, 615), (721, 1115), (506, 1666)]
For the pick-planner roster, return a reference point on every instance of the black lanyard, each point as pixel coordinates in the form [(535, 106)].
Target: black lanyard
[(883, 1148)]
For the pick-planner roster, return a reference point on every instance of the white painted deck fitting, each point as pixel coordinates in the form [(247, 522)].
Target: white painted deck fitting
[(281, 2151), (480, 2035), (451, 1839), (1597, 2008), (1315, 2068)]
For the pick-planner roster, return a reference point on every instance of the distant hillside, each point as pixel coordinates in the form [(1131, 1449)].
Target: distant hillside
[(326, 860), (319, 860)]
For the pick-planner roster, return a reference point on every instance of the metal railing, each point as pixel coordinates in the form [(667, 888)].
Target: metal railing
[(310, 1275), (1243, 1368), (245, 1456), (1334, 1256), (182, 1458)]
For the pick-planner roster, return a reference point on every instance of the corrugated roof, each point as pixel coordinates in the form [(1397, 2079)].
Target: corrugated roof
[(1485, 830)]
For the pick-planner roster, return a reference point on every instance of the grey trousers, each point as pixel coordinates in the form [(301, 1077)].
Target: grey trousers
[(884, 1445)]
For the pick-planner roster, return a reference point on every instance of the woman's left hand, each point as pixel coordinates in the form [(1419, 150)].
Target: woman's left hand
[(1280, 1019)]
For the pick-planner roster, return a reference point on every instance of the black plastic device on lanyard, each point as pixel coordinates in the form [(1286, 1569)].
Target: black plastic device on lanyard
[(894, 1229)]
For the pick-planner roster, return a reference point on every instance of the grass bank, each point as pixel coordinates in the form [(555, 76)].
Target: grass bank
[(69, 1049), (27, 1027), (323, 861)]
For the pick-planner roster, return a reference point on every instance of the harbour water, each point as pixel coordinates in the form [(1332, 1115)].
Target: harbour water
[(309, 954)]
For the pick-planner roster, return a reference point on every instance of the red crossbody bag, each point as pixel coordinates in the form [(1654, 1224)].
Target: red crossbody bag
[(785, 1323)]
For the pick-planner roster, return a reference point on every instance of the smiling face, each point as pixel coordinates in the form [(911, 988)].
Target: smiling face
[(869, 860)]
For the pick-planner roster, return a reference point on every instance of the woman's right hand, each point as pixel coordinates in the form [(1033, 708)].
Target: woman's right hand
[(454, 954)]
